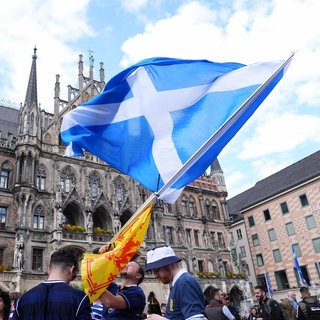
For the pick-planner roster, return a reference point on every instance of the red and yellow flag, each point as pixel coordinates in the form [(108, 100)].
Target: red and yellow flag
[(99, 270)]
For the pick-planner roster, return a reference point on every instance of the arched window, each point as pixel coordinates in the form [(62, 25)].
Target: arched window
[(215, 210), (212, 210), (120, 189), (184, 203), (41, 178), (192, 207), (67, 179), (3, 217), (94, 184), (38, 218), (4, 178), (31, 126), (5, 175), (208, 209), (25, 123)]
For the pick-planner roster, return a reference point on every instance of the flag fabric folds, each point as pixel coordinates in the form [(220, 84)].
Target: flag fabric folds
[(153, 117), (297, 265), (270, 290), (99, 270)]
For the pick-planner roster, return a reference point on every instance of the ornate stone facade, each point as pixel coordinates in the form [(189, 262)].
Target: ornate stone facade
[(48, 201)]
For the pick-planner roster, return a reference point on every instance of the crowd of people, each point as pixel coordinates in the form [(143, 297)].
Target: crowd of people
[(55, 299)]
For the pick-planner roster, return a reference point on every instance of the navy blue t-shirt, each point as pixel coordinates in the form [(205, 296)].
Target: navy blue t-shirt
[(186, 299), (53, 300), (134, 298)]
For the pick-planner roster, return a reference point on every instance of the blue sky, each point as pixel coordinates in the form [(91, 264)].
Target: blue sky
[(286, 127)]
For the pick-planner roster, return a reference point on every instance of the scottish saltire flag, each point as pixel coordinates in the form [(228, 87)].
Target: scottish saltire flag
[(297, 265), (269, 287), (153, 117)]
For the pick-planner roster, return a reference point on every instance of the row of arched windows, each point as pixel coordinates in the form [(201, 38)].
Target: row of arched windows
[(189, 208)]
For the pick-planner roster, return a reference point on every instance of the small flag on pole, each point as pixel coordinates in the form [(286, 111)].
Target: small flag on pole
[(99, 270), (297, 265), (270, 290), (153, 117)]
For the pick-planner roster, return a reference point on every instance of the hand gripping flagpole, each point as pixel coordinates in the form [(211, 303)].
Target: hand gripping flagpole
[(222, 130)]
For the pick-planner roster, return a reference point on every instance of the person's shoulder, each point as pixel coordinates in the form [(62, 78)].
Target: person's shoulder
[(38, 288), (113, 286), (139, 290), (72, 290), (310, 300), (273, 302), (186, 276)]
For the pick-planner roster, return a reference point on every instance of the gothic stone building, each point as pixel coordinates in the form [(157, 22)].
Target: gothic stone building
[(48, 201)]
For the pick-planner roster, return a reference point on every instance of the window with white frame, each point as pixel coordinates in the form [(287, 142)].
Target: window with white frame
[(38, 218), (243, 252), (3, 217), (4, 178), (277, 255), (255, 240), (272, 235), (260, 261), (290, 228), (311, 222)]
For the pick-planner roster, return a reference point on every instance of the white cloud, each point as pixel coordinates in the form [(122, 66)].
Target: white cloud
[(53, 27), (281, 134), (133, 6), (183, 35), (236, 183), (264, 167), (264, 32)]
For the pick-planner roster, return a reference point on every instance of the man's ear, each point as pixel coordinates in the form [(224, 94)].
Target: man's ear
[(71, 270)]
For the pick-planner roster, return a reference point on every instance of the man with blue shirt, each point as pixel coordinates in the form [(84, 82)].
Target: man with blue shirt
[(55, 299), (186, 299), (127, 300)]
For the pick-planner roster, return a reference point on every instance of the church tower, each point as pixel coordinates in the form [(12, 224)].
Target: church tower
[(29, 132)]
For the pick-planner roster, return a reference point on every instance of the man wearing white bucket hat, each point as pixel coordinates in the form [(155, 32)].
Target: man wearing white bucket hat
[(186, 299)]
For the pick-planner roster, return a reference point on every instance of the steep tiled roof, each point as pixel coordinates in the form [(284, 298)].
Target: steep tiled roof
[(8, 121), (299, 172)]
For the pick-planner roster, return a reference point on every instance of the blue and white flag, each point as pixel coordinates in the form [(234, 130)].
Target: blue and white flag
[(270, 290), (154, 116), (297, 265)]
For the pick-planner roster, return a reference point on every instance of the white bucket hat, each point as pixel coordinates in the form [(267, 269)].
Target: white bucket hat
[(160, 257)]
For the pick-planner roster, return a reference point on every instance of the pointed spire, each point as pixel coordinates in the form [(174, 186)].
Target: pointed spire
[(31, 95), (215, 166)]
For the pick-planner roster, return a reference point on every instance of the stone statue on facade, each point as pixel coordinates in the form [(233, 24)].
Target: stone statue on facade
[(19, 263), (89, 222)]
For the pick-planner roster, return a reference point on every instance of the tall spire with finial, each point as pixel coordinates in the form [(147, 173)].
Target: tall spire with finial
[(31, 95)]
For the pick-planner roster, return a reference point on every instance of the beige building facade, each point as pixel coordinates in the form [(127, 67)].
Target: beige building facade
[(281, 212)]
